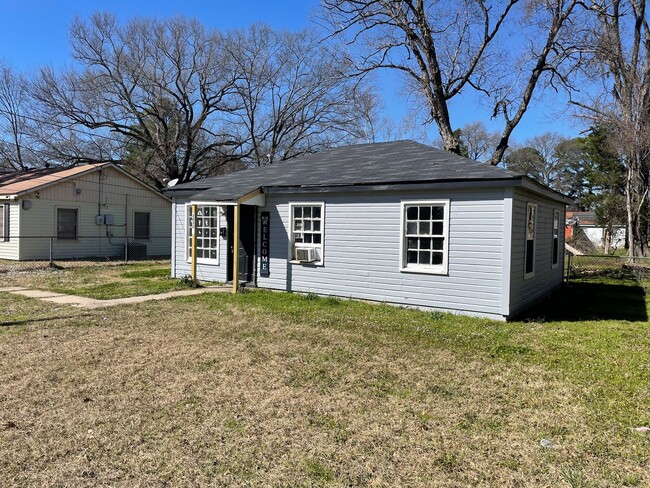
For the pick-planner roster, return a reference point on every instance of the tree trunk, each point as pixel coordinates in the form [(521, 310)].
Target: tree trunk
[(635, 194)]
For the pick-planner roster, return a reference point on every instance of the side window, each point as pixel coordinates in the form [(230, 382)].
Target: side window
[(4, 223), (531, 224), (307, 232), (66, 223), (141, 222), (207, 233), (556, 238), (425, 231)]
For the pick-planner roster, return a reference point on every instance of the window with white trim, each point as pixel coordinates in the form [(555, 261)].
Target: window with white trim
[(141, 225), (531, 224), (207, 233), (425, 231), (67, 223), (4, 222), (307, 232), (556, 238)]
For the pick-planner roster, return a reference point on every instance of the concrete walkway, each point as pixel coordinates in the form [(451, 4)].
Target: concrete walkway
[(84, 302)]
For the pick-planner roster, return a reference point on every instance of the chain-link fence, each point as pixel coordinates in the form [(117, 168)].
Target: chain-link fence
[(85, 248), (597, 267)]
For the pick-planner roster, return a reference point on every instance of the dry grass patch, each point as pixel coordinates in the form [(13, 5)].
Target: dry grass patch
[(275, 389)]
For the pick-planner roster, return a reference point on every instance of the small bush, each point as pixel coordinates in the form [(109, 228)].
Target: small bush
[(188, 281)]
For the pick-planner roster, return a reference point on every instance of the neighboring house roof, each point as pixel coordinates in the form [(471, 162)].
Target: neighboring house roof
[(586, 219), (16, 183), (384, 163), (582, 218)]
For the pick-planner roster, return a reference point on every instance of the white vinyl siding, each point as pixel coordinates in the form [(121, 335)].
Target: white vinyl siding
[(362, 239), (38, 224), (524, 292), (9, 248)]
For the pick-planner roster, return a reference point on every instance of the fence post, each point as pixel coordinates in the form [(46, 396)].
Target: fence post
[(50, 250), (568, 268)]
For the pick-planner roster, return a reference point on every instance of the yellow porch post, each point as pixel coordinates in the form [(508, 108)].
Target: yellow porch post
[(193, 272), (235, 251)]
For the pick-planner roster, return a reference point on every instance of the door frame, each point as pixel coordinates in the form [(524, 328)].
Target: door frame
[(247, 221)]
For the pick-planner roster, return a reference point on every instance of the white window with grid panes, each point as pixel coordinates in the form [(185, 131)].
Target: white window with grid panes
[(307, 232), (207, 233), (425, 236)]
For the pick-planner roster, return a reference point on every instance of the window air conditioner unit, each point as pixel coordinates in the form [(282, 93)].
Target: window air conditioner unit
[(305, 254)]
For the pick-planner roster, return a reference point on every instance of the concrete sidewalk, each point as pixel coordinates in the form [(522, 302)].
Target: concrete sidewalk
[(84, 302)]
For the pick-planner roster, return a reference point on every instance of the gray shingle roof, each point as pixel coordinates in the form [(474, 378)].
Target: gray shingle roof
[(361, 164)]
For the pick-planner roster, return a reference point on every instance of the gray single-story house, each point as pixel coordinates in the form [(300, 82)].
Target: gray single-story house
[(85, 211), (395, 222)]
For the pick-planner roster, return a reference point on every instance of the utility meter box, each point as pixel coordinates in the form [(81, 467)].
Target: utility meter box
[(104, 219)]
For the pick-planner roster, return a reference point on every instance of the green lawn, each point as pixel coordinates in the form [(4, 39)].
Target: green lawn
[(265, 388), (101, 281)]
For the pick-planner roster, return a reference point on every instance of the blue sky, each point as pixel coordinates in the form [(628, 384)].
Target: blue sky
[(34, 33)]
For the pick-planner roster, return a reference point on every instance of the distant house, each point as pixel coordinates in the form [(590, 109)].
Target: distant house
[(92, 210), (597, 234), (396, 222)]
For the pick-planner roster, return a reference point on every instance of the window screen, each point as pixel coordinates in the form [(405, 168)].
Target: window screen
[(141, 225), (4, 222), (66, 223)]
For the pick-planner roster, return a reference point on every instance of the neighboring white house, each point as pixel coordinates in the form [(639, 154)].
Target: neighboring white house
[(396, 222), (597, 234), (91, 210)]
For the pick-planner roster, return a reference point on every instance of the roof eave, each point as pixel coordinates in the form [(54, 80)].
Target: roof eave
[(532, 185)]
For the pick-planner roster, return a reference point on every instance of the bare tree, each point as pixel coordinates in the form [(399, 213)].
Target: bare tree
[(546, 159), (444, 48), (164, 86), (620, 60), (478, 140), (14, 98), (296, 93)]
